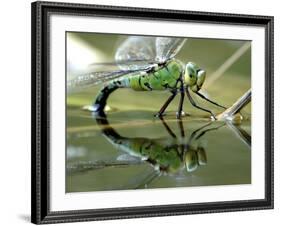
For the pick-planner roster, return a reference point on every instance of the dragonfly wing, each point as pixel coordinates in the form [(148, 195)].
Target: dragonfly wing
[(168, 47), (124, 64), (95, 78), (137, 49)]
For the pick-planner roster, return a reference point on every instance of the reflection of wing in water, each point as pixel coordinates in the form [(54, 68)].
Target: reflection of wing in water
[(127, 157), (136, 53)]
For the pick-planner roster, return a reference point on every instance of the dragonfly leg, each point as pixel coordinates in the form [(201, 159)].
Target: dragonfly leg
[(166, 104), (180, 123), (181, 101), (205, 98), (172, 134), (195, 105), (182, 146), (208, 130)]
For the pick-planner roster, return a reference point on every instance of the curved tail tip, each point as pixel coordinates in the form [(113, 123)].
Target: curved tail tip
[(93, 108), (99, 114), (97, 108)]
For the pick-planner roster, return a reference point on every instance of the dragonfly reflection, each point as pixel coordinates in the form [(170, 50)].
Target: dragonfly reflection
[(165, 155)]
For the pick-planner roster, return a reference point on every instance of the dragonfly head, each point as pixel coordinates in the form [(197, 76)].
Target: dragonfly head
[(194, 77)]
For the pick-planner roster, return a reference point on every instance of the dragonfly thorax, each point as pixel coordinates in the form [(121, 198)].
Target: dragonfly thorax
[(194, 77)]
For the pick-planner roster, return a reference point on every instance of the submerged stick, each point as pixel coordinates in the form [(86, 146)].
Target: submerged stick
[(241, 134), (229, 113)]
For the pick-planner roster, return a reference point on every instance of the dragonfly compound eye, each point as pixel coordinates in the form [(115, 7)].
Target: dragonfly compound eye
[(191, 160), (201, 75), (190, 75)]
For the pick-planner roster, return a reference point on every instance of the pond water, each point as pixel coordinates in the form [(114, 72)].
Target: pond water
[(131, 149)]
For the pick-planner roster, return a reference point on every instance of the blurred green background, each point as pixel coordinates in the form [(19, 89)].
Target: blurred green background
[(94, 164)]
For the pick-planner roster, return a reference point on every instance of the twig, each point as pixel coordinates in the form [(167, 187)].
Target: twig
[(229, 113)]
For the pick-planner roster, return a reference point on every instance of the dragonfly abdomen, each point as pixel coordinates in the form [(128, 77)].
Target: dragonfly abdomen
[(103, 94)]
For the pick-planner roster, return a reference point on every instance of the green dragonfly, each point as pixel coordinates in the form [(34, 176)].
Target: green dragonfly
[(147, 64)]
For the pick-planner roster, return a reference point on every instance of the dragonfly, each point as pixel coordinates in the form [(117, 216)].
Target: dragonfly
[(148, 64)]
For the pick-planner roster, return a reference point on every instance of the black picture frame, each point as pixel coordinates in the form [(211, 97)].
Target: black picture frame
[(40, 211)]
